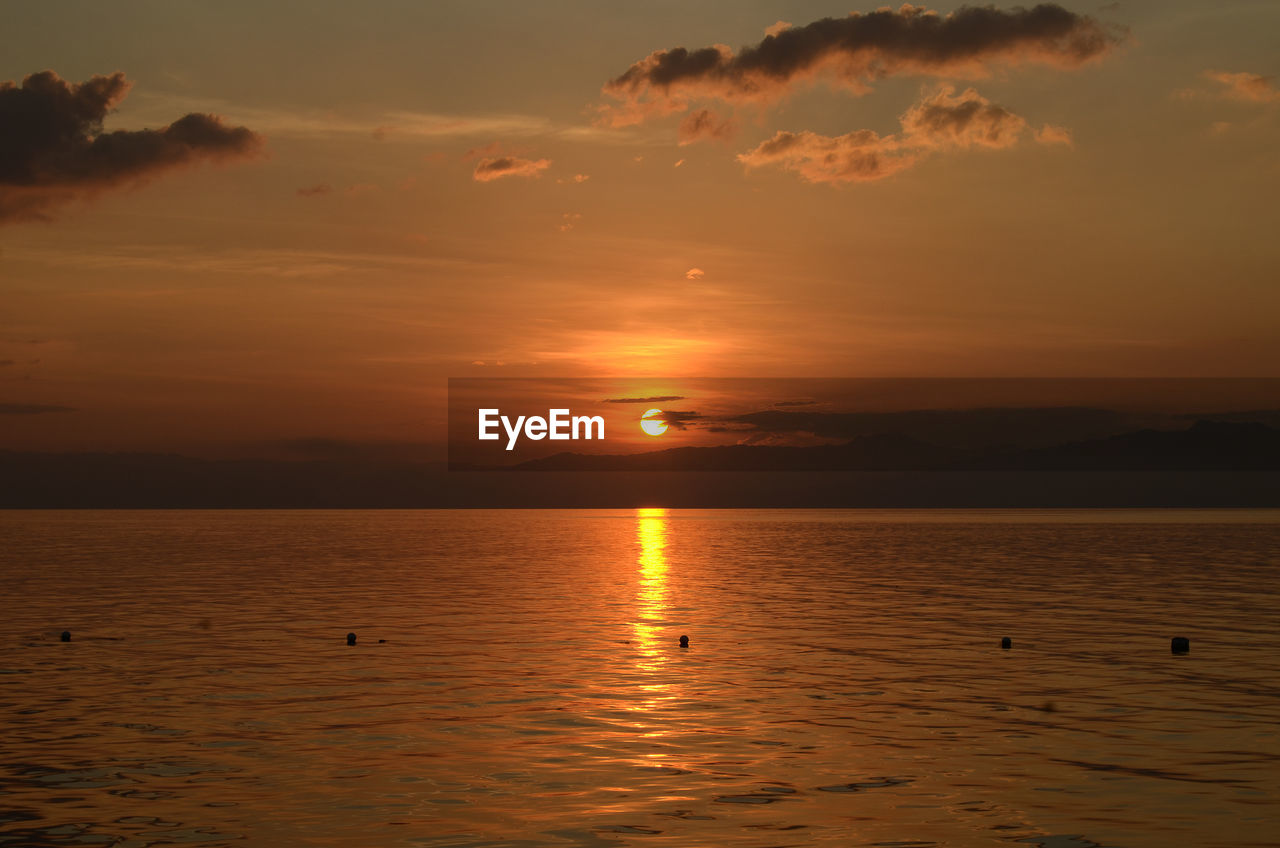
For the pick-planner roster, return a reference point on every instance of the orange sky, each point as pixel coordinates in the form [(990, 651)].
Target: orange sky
[(432, 190)]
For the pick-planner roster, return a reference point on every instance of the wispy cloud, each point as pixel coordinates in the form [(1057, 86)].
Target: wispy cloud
[(1051, 134), (1245, 86), (497, 167), (282, 263), (388, 126), (655, 399)]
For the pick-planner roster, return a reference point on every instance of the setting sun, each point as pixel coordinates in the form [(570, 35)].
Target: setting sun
[(654, 422)]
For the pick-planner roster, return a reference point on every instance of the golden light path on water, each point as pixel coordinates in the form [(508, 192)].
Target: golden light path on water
[(654, 688), (651, 596)]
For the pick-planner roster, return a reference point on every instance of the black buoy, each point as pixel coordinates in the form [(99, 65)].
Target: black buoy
[(1181, 645), (351, 638), (1006, 643), (684, 641), (66, 635)]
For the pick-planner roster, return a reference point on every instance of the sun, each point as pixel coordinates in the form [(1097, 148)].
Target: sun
[(654, 422)]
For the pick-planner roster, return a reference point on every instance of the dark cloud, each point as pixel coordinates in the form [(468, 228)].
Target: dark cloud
[(853, 51), (6, 363), (796, 403), (496, 167), (54, 149), (655, 399), (680, 419), (705, 125), (31, 409)]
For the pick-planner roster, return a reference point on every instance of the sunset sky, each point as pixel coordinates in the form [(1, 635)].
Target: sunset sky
[(337, 208)]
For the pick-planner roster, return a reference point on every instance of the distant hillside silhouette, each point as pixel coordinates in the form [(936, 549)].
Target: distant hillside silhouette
[(974, 429), (1206, 445), (885, 452)]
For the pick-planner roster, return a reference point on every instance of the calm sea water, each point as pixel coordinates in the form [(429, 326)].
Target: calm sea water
[(844, 684)]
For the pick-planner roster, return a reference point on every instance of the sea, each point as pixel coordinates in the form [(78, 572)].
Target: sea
[(517, 678)]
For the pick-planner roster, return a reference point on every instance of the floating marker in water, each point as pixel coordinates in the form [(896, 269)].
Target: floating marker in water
[(1181, 645), (351, 638), (1006, 643), (684, 641), (66, 635)]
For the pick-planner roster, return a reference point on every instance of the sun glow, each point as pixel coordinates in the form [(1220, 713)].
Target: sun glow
[(654, 422)]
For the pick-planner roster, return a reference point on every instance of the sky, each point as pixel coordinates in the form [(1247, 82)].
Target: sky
[(229, 227)]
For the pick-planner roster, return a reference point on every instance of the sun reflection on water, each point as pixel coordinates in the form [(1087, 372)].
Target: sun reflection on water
[(657, 687), (651, 596)]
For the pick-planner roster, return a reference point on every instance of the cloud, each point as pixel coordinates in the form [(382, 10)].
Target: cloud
[(54, 149), (1245, 86), (677, 163), (1050, 134), (782, 403), (315, 190), (679, 419), (854, 51), (493, 148), (777, 27), (568, 221), (706, 125), (942, 120), (31, 409), (497, 167), (576, 178), (694, 274), (967, 120), (655, 399), (854, 157)]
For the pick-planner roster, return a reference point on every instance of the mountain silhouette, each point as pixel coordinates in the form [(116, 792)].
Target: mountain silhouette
[(882, 452), (1206, 446)]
